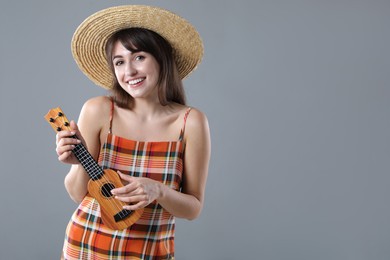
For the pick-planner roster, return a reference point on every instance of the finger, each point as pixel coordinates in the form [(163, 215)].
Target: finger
[(64, 133), (73, 125), (67, 141), (125, 177), (139, 205), (64, 156), (132, 199), (65, 145), (75, 129), (126, 190), (63, 149), (66, 137)]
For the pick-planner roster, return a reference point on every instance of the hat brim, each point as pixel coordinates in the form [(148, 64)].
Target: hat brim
[(90, 38)]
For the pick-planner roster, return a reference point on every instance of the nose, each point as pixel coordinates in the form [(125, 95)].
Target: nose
[(130, 69)]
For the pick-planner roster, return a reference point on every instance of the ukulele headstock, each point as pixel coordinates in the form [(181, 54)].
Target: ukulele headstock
[(57, 119)]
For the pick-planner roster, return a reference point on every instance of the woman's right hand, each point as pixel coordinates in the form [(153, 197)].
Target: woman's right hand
[(66, 143)]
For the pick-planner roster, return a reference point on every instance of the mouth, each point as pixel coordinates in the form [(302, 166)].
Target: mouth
[(135, 82)]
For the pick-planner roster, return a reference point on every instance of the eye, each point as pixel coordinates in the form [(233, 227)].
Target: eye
[(140, 57), (118, 63)]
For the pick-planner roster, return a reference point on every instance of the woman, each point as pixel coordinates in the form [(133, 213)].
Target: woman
[(159, 146)]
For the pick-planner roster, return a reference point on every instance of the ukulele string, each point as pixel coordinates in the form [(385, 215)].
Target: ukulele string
[(116, 202)]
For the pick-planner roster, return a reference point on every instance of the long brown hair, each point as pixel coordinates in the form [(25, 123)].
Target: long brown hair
[(170, 87)]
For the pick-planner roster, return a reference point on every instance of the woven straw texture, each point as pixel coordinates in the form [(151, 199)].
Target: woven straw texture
[(90, 38)]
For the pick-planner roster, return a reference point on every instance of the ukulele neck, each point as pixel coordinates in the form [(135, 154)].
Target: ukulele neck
[(93, 169)]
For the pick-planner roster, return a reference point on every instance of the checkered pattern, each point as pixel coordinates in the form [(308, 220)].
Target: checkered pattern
[(152, 236)]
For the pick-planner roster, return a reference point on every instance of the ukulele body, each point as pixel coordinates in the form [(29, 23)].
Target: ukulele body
[(113, 215)]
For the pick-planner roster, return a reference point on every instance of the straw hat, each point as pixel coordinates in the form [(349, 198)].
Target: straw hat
[(90, 38)]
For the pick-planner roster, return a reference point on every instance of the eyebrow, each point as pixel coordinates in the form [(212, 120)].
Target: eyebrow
[(117, 57)]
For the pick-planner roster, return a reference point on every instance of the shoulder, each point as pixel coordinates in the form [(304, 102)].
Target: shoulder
[(196, 117), (96, 111), (197, 125), (97, 105)]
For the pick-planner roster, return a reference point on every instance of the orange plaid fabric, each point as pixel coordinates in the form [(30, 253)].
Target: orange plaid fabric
[(152, 236)]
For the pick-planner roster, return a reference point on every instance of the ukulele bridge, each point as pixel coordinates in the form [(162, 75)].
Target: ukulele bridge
[(125, 213)]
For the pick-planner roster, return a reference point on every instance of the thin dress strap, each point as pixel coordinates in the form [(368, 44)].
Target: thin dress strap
[(111, 115), (184, 124), (105, 153)]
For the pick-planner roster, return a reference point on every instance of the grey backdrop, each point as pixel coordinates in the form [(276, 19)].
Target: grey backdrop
[(297, 95)]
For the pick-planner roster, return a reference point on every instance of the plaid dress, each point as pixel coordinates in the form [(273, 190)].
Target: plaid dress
[(152, 236)]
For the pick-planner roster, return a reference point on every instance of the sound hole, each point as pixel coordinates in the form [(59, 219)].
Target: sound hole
[(106, 189)]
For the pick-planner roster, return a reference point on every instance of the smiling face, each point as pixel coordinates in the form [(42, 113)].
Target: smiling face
[(139, 46), (137, 72)]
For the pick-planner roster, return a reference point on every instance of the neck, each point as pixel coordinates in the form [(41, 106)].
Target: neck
[(147, 109)]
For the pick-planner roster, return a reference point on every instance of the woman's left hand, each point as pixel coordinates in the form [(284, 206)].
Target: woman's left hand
[(138, 192)]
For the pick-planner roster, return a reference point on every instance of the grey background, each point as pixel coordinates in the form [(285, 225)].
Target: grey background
[(297, 95)]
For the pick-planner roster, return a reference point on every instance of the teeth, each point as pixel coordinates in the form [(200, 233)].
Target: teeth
[(135, 81)]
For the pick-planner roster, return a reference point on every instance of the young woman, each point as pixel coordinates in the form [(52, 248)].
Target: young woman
[(144, 130)]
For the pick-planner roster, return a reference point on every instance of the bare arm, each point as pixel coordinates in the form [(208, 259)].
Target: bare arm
[(189, 203)]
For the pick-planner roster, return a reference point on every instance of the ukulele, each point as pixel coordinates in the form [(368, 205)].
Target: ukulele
[(101, 181)]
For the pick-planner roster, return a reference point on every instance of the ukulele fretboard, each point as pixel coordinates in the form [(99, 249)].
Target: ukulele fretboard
[(93, 169)]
